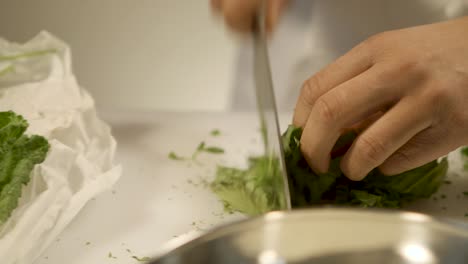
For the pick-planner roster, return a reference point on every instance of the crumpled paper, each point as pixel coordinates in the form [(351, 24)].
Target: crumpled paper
[(36, 81)]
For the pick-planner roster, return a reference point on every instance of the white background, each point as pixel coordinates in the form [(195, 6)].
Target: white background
[(143, 54)]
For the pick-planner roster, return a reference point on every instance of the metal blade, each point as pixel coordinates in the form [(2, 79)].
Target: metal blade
[(267, 107)]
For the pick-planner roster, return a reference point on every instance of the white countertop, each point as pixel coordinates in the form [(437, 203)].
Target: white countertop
[(158, 199)]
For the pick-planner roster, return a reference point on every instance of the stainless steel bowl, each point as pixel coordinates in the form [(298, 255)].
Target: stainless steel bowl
[(329, 235)]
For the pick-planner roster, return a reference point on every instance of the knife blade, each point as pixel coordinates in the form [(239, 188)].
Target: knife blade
[(266, 105)]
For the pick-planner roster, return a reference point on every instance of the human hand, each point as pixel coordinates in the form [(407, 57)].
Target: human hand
[(418, 78), (239, 15)]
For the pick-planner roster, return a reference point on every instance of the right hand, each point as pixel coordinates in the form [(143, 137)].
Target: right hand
[(239, 15)]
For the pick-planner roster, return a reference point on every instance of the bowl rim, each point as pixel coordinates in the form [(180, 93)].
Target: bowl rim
[(409, 216)]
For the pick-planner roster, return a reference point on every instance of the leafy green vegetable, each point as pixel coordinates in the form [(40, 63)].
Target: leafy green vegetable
[(18, 155), (254, 190)]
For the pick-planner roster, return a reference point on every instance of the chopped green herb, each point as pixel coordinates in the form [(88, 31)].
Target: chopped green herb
[(111, 256), (214, 150), (88, 243), (443, 196), (174, 156), (466, 214), (464, 151), (128, 250), (254, 190), (447, 182), (215, 132), (141, 258), (203, 148), (465, 193)]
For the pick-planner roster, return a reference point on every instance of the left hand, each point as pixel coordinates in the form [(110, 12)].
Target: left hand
[(418, 77)]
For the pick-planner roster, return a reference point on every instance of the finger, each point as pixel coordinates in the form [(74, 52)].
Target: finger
[(340, 108), (343, 69), (239, 14), (216, 5), (384, 137), (423, 148), (358, 128), (275, 8)]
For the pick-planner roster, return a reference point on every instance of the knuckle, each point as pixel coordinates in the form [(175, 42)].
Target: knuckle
[(397, 163), (401, 157), (437, 95), (411, 67), (327, 109), (311, 90), (377, 40), (371, 149)]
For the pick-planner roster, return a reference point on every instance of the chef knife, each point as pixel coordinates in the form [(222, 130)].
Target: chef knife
[(267, 107)]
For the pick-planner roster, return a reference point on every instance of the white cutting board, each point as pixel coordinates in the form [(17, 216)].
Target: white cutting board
[(158, 199)]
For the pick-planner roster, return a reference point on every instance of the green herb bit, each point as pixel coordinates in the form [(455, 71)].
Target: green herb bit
[(111, 256), (209, 149), (215, 132), (141, 258), (443, 196), (465, 193), (464, 151), (447, 182), (201, 146), (214, 150), (174, 156), (88, 243)]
